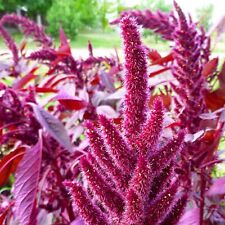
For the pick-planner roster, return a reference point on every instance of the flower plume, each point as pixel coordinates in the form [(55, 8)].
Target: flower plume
[(135, 78), (187, 69), (132, 182)]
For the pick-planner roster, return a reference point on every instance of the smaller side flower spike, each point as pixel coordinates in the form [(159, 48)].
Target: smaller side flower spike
[(161, 181), (182, 21), (29, 27), (134, 209), (99, 169), (137, 197), (161, 204), (117, 147), (142, 178), (10, 43), (103, 158), (175, 213), (151, 130), (135, 78), (89, 212), (165, 155), (110, 199)]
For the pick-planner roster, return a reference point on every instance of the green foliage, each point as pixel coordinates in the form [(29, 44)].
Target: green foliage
[(204, 15), (72, 15), (9, 5), (33, 7), (62, 13), (88, 11)]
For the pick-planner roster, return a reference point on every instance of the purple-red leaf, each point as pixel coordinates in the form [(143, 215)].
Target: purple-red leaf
[(53, 126), (3, 214), (210, 67), (25, 80), (163, 60), (71, 102), (26, 184), (191, 217), (217, 188), (154, 55), (9, 163)]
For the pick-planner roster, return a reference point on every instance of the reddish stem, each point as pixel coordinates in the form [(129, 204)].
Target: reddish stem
[(202, 197)]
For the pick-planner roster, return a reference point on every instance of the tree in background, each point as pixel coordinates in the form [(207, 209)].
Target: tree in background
[(34, 8), (62, 13), (88, 12), (109, 9), (204, 15), (155, 5), (72, 15)]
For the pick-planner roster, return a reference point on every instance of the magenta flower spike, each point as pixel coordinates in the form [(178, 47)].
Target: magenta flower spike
[(165, 155), (160, 22), (117, 147), (159, 207), (29, 27), (85, 205), (177, 209), (151, 131), (129, 171), (103, 158), (10, 43), (135, 78), (104, 192), (187, 69)]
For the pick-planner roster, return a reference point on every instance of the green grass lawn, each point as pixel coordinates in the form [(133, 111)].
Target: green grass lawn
[(99, 40), (111, 40)]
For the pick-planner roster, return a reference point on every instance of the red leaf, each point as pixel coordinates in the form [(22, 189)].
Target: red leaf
[(63, 51), (154, 55), (45, 90), (62, 79), (214, 100), (22, 47), (52, 125), (163, 60), (174, 124), (25, 79), (9, 163), (64, 48), (217, 188), (73, 104), (190, 217), (96, 80), (152, 74), (26, 184), (221, 77), (70, 102), (4, 214), (209, 136), (210, 67)]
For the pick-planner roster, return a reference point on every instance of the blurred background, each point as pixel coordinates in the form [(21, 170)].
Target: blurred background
[(84, 20)]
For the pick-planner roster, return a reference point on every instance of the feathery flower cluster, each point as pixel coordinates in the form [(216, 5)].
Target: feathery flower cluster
[(131, 179), (161, 23), (29, 27), (191, 51), (187, 69), (10, 43)]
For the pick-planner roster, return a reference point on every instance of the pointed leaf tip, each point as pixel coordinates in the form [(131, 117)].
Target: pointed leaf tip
[(53, 126), (26, 184)]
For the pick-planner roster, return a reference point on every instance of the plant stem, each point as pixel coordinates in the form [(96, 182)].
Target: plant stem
[(202, 195)]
